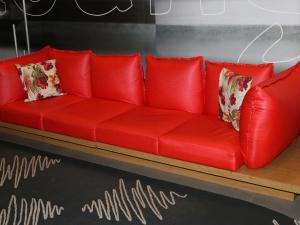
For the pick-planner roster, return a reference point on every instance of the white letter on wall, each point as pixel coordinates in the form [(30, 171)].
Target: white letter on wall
[(161, 13), (105, 13)]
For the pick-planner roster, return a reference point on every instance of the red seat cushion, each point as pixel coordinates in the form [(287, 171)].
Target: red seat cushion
[(259, 73), (205, 140), (140, 128), (80, 120), (11, 88), (118, 77), (175, 83), (73, 69), (30, 113)]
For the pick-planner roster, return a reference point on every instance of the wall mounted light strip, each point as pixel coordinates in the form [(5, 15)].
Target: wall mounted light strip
[(26, 27), (15, 40)]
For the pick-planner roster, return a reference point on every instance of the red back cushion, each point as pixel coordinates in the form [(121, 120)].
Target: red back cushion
[(73, 68), (11, 88), (270, 118), (259, 73), (118, 77), (175, 83)]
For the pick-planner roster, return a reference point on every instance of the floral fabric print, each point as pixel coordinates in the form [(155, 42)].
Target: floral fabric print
[(232, 90), (40, 80)]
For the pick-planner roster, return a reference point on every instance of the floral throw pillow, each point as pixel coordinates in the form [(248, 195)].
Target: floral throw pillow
[(40, 80), (232, 90)]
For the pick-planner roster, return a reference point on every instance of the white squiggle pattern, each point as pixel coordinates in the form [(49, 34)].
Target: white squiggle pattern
[(213, 14), (3, 12), (119, 200), (22, 168), (106, 13), (37, 15), (79, 7), (275, 222), (161, 13), (270, 48), (251, 2), (28, 212)]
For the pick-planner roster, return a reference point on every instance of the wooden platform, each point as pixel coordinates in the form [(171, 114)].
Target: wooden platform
[(281, 179)]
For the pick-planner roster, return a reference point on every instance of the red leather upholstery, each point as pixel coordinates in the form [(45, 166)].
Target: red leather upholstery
[(118, 77), (270, 118), (11, 88), (259, 73), (140, 128), (175, 83), (74, 71), (172, 126), (205, 140), (30, 113), (80, 120)]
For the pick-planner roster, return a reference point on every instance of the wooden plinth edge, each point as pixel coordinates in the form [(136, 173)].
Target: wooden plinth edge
[(272, 180)]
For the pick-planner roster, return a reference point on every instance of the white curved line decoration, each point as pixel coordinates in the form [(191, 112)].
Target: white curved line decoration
[(28, 212), (3, 12), (257, 5), (22, 168), (77, 4), (37, 15), (161, 13), (106, 13), (213, 14), (269, 48), (130, 204), (275, 222), (255, 39)]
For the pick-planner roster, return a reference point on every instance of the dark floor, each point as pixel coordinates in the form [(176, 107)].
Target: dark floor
[(288, 208)]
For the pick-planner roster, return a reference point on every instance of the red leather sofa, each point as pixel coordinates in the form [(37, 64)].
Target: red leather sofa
[(173, 112)]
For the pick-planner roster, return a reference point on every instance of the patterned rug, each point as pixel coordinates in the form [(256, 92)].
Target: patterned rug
[(38, 188)]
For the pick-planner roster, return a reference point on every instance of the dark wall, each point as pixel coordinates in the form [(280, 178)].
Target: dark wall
[(105, 26), (251, 31), (100, 37), (126, 11)]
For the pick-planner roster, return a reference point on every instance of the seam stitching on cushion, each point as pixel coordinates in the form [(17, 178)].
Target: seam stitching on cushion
[(143, 79), (176, 58), (69, 51), (241, 64), (170, 130), (26, 56), (248, 129), (279, 79)]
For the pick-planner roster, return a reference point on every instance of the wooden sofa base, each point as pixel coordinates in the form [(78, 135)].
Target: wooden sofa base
[(281, 179)]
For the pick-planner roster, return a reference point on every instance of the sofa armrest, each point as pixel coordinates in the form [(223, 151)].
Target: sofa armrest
[(270, 118)]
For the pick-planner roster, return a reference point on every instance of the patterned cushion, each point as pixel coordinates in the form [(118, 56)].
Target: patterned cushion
[(232, 90), (259, 73), (40, 80)]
